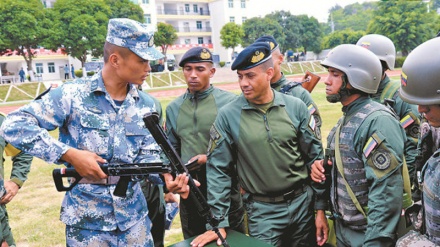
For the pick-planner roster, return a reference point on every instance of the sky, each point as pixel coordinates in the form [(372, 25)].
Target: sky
[(316, 8)]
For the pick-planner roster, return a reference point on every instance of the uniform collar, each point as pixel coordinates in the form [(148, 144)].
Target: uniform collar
[(280, 82), (97, 85), (278, 100), (198, 95)]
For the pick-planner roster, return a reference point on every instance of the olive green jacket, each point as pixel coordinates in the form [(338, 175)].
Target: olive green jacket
[(273, 151), (21, 162)]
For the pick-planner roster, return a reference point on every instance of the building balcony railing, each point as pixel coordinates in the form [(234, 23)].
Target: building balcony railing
[(161, 11), (188, 46), (193, 29)]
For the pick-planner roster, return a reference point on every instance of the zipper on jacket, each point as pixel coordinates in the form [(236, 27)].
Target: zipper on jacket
[(195, 104), (266, 124)]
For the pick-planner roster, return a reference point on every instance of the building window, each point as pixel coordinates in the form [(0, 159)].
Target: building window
[(200, 40), (147, 18), (51, 67), (231, 19), (186, 7), (243, 19), (187, 41), (195, 8), (243, 4), (145, 1), (199, 25), (39, 68), (231, 3)]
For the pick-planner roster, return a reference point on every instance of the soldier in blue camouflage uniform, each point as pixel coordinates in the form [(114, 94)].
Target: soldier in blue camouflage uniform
[(99, 121), (366, 148), (280, 83), (420, 84)]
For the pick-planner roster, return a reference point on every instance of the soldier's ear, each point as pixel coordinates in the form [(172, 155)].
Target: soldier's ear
[(114, 60)]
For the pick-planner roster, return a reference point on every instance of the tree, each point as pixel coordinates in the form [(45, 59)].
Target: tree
[(164, 37), (353, 16), (231, 35), (406, 23), (255, 27), (291, 28), (23, 27), (310, 32), (125, 9), (336, 38), (81, 27)]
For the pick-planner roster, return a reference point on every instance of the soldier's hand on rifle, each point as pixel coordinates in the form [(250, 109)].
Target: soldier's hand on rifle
[(201, 161), (208, 237), (179, 184), (85, 163), (317, 173)]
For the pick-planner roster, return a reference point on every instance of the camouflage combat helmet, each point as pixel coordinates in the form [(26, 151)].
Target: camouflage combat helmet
[(420, 76), (361, 66), (380, 45)]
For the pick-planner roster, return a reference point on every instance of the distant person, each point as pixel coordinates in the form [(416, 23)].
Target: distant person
[(22, 74), (72, 70), (66, 72)]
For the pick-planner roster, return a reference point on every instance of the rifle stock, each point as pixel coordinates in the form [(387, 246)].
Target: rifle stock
[(151, 121), (310, 80)]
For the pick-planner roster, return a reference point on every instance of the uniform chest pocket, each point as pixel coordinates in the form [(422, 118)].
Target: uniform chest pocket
[(135, 133), (94, 132)]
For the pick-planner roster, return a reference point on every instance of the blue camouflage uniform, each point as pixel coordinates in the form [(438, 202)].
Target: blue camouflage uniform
[(89, 119)]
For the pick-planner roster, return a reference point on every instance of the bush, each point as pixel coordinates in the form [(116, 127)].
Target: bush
[(399, 62), (90, 73), (78, 73), (222, 63)]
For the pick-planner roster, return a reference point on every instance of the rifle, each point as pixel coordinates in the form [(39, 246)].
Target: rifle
[(309, 82), (126, 172), (151, 121)]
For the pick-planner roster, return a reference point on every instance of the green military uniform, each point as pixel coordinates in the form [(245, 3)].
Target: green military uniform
[(188, 120), (285, 86), (21, 164), (371, 145), (271, 150), (407, 114)]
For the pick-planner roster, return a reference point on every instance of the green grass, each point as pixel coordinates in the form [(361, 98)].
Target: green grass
[(34, 212)]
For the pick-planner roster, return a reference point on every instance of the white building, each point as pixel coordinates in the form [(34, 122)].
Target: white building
[(198, 23)]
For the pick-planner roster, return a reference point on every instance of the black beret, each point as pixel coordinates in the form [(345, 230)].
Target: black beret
[(269, 39), (251, 56), (196, 55)]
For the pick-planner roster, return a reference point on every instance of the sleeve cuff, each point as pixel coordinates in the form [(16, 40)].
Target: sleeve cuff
[(17, 181)]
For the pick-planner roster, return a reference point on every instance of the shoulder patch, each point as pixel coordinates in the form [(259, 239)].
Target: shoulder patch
[(312, 123), (406, 121), (311, 109), (214, 137), (381, 159), (370, 146)]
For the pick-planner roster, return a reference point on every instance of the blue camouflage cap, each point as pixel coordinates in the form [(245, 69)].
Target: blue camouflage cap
[(196, 55), (136, 36), (251, 56), (270, 40)]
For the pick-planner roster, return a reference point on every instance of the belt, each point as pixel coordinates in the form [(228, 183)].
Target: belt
[(282, 198), (106, 181)]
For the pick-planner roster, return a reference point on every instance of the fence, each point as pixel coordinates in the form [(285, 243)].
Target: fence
[(16, 92), (168, 79)]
